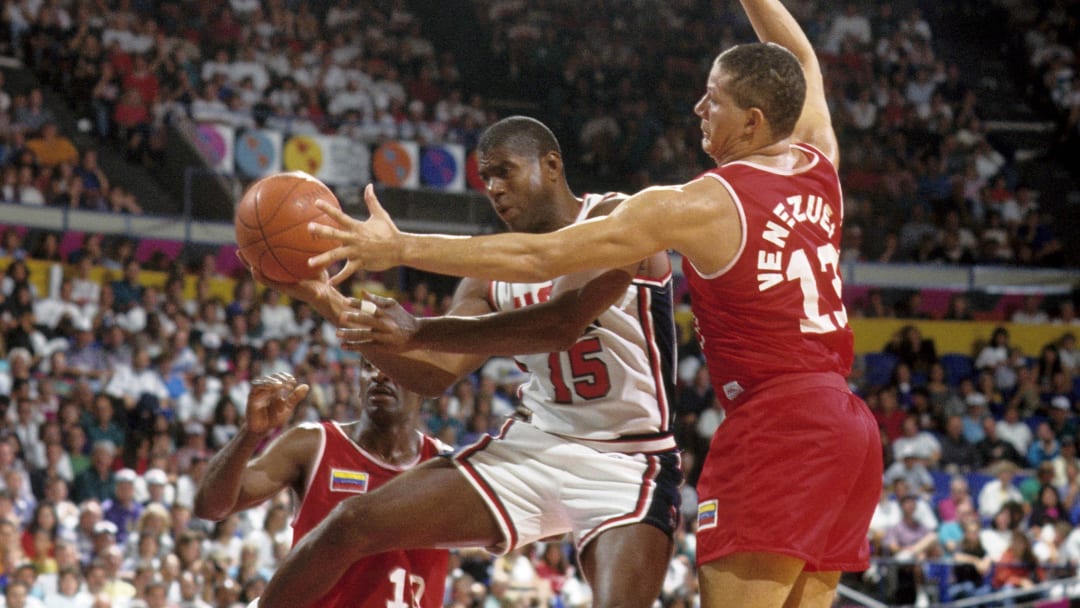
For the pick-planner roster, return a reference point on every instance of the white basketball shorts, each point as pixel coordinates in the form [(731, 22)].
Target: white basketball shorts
[(539, 485)]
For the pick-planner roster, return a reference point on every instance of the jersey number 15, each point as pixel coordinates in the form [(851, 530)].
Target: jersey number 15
[(588, 372)]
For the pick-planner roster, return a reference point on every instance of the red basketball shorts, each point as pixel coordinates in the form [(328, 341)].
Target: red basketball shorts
[(794, 469)]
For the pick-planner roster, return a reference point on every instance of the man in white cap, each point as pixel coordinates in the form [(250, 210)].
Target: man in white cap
[(999, 491), (104, 538), (1062, 419), (123, 510), (154, 487)]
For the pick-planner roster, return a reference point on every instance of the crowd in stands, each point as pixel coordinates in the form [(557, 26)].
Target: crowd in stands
[(115, 392), (925, 181), (1045, 33), (39, 165)]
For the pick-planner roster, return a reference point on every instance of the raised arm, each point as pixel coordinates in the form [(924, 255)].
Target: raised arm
[(774, 23), (233, 481)]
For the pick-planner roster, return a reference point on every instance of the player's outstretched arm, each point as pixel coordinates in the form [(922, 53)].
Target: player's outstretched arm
[(774, 23), (233, 482), (650, 221)]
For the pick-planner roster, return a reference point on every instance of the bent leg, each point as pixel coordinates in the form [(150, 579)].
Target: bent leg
[(626, 565), (813, 590), (751, 580), (432, 505)]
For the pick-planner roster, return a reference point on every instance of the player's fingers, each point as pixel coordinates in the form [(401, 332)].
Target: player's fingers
[(380, 301), (283, 378), (374, 207), (243, 260), (343, 275), (326, 258), (297, 395), (364, 305), (323, 231), (356, 335), (335, 212)]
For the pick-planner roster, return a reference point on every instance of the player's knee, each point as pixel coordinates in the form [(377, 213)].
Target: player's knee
[(626, 592)]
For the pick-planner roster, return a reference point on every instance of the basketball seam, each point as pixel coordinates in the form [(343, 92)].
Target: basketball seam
[(267, 236), (269, 249)]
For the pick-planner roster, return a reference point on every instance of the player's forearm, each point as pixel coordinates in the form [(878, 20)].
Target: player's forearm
[(546, 327), (774, 23), (220, 488), (419, 372), (523, 258), (512, 333)]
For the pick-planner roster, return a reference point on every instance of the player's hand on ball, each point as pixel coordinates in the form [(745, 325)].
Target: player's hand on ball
[(271, 402), (377, 321), (313, 291), (374, 244)]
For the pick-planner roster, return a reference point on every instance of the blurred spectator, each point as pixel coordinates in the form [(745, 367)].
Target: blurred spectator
[(1030, 312), (1000, 491), (912, 349), (1018, 568), (97, 482), (957, 454), (993, 449), (51, 148), (1045, 447), (32, 117), (909, 542)]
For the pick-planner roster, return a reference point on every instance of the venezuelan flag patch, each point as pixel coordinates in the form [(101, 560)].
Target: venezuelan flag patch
[(706, 515), (342, 480)]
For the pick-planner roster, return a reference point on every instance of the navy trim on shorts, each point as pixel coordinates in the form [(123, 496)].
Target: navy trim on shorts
[(664, 510)]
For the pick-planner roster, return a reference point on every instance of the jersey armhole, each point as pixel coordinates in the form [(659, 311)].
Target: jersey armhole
[(313, 470), (742, 231)]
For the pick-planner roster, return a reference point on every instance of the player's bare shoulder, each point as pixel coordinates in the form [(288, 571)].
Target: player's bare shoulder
[(710, 223)]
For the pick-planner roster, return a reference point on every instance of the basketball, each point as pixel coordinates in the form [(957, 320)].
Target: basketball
[(272, 225)]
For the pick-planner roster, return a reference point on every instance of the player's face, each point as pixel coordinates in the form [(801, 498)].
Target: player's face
[(378, 389), (516, 187), (722, 120)]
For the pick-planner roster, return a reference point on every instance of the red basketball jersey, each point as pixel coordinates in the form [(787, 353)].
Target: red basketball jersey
[(777, 307), (397, 579)]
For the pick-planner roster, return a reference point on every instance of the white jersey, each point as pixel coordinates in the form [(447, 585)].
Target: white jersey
[(612, 389)]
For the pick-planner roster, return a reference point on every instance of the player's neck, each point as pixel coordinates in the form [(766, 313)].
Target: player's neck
[(567, 208), (778, 155), (394, 442)]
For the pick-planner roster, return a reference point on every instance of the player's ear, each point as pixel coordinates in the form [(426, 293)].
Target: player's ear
[(552, 163), (755, 121)]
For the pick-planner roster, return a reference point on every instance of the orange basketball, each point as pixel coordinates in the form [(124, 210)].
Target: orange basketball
[(272, 225)]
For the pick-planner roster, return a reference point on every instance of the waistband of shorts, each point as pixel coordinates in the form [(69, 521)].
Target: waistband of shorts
[(796, 382), (631, 444)]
